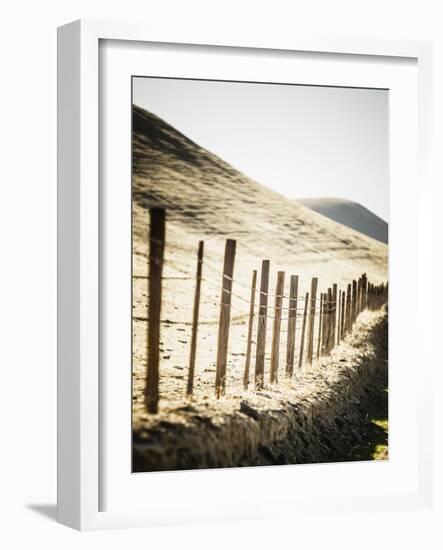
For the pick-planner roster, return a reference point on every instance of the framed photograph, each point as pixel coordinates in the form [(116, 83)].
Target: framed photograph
[(238, 261)]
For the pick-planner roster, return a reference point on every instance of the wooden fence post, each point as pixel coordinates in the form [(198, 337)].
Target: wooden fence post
[(292, 322), (320, 324), (261, 327), (365, 291), (302, 339), (225, 317), (329, 333), (354, 301), (339, 317), (250, 327), (310, 351), (334, 314), (348, 309), (275, 350), (359, 297), (198, 278), (156, 253), (342, 320), (326, 306), (325, 333)]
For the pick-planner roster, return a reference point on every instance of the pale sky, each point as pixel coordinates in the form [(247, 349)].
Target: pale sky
[(301, 141)]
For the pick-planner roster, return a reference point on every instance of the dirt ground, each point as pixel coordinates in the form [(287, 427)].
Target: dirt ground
[(321, 415)]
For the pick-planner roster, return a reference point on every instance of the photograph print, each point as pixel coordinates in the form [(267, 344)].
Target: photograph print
[(259, 274)]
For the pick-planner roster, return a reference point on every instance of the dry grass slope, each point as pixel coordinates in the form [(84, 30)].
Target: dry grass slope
[(208, 199)]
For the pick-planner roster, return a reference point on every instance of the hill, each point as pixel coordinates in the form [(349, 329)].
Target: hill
[(351, 214), (207, 199)]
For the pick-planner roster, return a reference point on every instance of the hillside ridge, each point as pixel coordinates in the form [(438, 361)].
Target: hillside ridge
[(207, 197)]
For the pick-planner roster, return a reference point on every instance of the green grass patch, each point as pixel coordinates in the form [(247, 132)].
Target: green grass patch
[(374, 445)]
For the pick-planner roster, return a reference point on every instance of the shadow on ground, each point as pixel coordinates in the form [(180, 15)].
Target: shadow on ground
[(374, 445), (48, 511)]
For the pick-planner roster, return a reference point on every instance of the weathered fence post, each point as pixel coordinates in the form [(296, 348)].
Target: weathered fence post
[(329, 324), (156, 253), (365, 291), (310, 351), (261, 326), (339, 317), (302, 339), (198, 278), (292, 321), (326, 306), (348, 309), (343, 314), (331, 320), (325, 333), (342, 320), (360, 294), (225, 317), (334, 314), (250, 327), (275, 350), (320, 324), (354, 301)]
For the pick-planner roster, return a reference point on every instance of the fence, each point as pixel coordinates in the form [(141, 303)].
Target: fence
[(322, 319)]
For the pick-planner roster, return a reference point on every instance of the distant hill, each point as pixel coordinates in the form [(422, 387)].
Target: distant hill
[(351, 214)]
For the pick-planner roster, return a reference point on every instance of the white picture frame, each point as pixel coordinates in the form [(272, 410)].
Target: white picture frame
[(81, 415)]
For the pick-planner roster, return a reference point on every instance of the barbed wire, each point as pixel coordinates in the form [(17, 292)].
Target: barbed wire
[(187, 270), (269, 295), (327, 308), (302, 310)]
